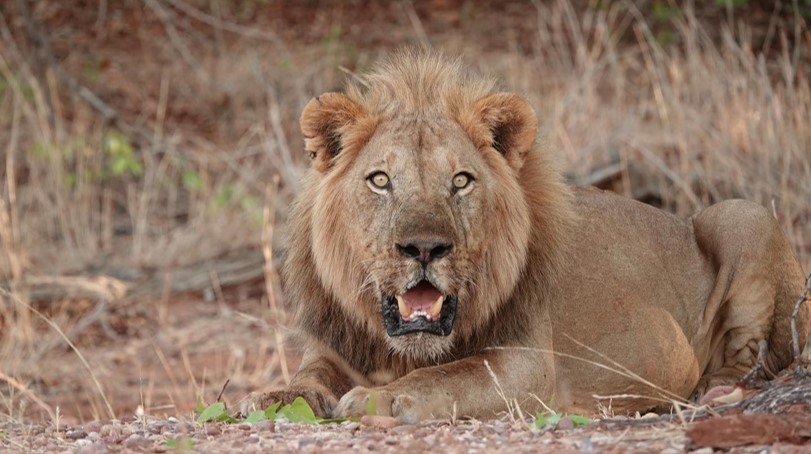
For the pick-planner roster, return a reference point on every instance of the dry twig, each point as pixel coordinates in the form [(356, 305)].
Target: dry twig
[(795, 337)]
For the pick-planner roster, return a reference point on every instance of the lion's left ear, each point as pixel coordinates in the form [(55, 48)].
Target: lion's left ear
[(505, 122), (324, 124)]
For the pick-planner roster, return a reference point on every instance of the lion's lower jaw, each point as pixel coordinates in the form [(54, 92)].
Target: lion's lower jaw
[(422, 347)]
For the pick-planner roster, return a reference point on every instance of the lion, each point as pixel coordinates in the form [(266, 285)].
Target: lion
[(440, 266)]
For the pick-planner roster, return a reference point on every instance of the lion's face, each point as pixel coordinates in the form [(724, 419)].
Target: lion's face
[(420, 231)]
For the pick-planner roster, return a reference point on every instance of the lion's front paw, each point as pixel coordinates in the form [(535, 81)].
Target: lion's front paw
[(380, 401), (321, 402)]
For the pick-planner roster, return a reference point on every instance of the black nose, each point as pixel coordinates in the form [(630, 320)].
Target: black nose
[(424, 250)]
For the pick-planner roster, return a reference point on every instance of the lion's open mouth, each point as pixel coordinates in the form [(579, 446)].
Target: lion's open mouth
[(421, 309)]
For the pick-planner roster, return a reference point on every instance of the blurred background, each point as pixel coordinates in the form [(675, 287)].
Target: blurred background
[(150, 150)]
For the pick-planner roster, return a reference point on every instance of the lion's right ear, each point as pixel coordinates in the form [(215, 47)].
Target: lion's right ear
[(324, 124)]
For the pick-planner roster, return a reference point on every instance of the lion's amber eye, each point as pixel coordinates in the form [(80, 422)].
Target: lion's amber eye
[(461, 180), (379, 180)]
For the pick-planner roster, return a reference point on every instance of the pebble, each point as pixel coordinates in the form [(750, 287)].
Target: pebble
[(264, 426), (94, 448), (212, 429), (404, 429), (390, 441), (565, 424), (75, 434), (703, 451), (380, 422), (351, 426), (137, 441), (244, 426), (93, 426)]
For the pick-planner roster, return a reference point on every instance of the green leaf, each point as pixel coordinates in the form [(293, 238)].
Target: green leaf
[(2, 435), (542, 420), (270, 412), (199, 408), (214, 412), (299, 411), (225, 417), (371, 404), (579, 421), (256, 416)]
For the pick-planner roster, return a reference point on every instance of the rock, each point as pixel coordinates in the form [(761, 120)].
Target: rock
[(76, 434), (380, 422), (264, 426), (137, 442), (212, 429)]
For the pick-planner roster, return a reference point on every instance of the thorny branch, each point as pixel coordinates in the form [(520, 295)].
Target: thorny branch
[(795, 337)]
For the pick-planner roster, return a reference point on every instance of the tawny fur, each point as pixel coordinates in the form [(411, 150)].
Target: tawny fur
[(538, 267)]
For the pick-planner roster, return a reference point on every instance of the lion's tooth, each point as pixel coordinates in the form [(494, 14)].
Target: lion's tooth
[(436, 307), (405, 309)]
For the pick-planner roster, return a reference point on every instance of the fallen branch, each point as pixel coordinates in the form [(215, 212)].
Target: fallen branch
[(795, 337), (236, 267)]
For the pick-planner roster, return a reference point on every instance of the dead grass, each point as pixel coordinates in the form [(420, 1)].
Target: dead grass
[(208, 116)]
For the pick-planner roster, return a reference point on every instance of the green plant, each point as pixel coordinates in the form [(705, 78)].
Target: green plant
[(297, 411), (214, 412), (122, 159), (180, 444), (553, 418)]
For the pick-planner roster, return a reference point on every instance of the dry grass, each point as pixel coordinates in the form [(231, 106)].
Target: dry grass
[(209, 124)]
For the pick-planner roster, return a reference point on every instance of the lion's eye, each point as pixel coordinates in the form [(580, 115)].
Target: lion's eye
[(379, 180), (461, 180)]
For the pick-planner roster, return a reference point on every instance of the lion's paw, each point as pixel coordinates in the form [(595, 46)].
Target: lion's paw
[(321, 403), (380, 401)]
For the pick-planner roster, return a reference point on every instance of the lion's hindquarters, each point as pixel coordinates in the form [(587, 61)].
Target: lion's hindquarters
[(761, 280)]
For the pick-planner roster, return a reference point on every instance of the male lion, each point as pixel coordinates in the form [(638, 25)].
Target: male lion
[(437, 261)]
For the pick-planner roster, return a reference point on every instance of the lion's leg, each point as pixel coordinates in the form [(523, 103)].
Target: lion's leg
[(480, 386), (756, 286), (319, 380)]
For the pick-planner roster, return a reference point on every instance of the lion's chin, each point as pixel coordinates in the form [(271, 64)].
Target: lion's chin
[(422, 309)]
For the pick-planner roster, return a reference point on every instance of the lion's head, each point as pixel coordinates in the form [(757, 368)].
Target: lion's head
[(415, 221)]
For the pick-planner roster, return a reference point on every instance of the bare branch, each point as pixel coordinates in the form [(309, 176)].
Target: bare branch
[(795, 337)]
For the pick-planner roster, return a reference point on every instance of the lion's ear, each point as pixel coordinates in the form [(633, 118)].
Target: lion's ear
[(324, 123), (507, 123)]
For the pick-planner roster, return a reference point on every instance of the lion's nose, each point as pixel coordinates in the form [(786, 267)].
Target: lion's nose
[(424, 251)]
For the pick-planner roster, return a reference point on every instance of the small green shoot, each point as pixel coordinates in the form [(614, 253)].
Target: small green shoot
[(123, 160), (192, 180), (180, 444), (543, 420), (580, 421)]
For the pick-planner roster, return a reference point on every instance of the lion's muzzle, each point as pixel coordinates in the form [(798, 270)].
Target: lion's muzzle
[(421, 309)]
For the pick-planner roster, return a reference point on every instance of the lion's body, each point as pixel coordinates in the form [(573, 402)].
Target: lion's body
[(673, 300), (427, 182)]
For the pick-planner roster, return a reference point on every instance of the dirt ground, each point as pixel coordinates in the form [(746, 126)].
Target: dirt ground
[(775, 419), (146, 260)]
